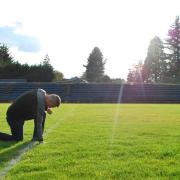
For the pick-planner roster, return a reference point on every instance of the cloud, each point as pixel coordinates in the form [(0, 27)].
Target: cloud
[(12, 38)]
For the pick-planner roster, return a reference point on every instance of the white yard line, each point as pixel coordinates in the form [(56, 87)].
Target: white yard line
[(11, 163)]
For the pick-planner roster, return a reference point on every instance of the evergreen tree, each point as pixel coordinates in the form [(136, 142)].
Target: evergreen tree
[(173, 50), (46, 70), (5, 56), (46, 60), (10, 69), (95, 66), (154, 64)]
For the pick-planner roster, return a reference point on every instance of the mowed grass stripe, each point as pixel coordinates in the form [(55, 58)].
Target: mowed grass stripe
[(145, 144)]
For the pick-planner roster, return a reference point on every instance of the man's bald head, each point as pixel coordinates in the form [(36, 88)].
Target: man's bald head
[(53, 100)]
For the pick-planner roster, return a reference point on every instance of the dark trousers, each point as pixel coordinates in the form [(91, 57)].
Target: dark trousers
[(16, 127)]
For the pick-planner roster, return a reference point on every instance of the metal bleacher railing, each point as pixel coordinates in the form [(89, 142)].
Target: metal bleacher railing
[(97, 93)]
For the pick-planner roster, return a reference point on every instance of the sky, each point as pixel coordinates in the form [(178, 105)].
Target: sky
[(68, 30)]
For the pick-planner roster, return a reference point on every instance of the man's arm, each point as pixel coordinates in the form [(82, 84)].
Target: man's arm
[(38, 122), (38, 129)]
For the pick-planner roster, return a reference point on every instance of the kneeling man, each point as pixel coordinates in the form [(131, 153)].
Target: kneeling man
[(30, 105)]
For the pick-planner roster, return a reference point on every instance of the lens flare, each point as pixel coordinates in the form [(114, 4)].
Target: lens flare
[(116, 116)]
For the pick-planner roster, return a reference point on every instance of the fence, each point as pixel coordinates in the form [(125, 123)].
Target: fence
[(97, 93)]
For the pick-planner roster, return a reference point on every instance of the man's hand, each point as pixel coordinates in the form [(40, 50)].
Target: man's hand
[(49, 111)]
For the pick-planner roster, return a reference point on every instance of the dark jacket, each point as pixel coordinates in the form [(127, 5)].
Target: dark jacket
[(30, 105)]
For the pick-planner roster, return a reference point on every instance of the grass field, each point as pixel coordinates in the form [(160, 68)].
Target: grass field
[(100, 141)]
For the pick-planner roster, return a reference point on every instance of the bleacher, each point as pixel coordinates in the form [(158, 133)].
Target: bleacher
[(97, 93)]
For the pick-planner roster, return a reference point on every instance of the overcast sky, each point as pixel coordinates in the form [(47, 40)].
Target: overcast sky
[(68, 30)]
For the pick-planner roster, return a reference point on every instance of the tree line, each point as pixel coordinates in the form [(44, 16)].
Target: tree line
[(11, 69), (44, 71), (162, 63)]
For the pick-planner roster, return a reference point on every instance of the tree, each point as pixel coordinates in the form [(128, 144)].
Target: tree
[(173, 49), (5, 56), (39, 73), (95, 66), (58, 76), (46, 60), (10, 69), (106, 79), (154, 64), (46, 70), (135, 74), (117, 81)]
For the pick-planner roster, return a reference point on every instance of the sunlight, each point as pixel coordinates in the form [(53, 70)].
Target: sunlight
[(116, 116)]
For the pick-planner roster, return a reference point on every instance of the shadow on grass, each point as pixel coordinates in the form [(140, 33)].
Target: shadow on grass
[(13, 150), (6, 144)]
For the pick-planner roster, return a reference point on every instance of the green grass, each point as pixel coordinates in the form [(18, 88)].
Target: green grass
[(100, 141)]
